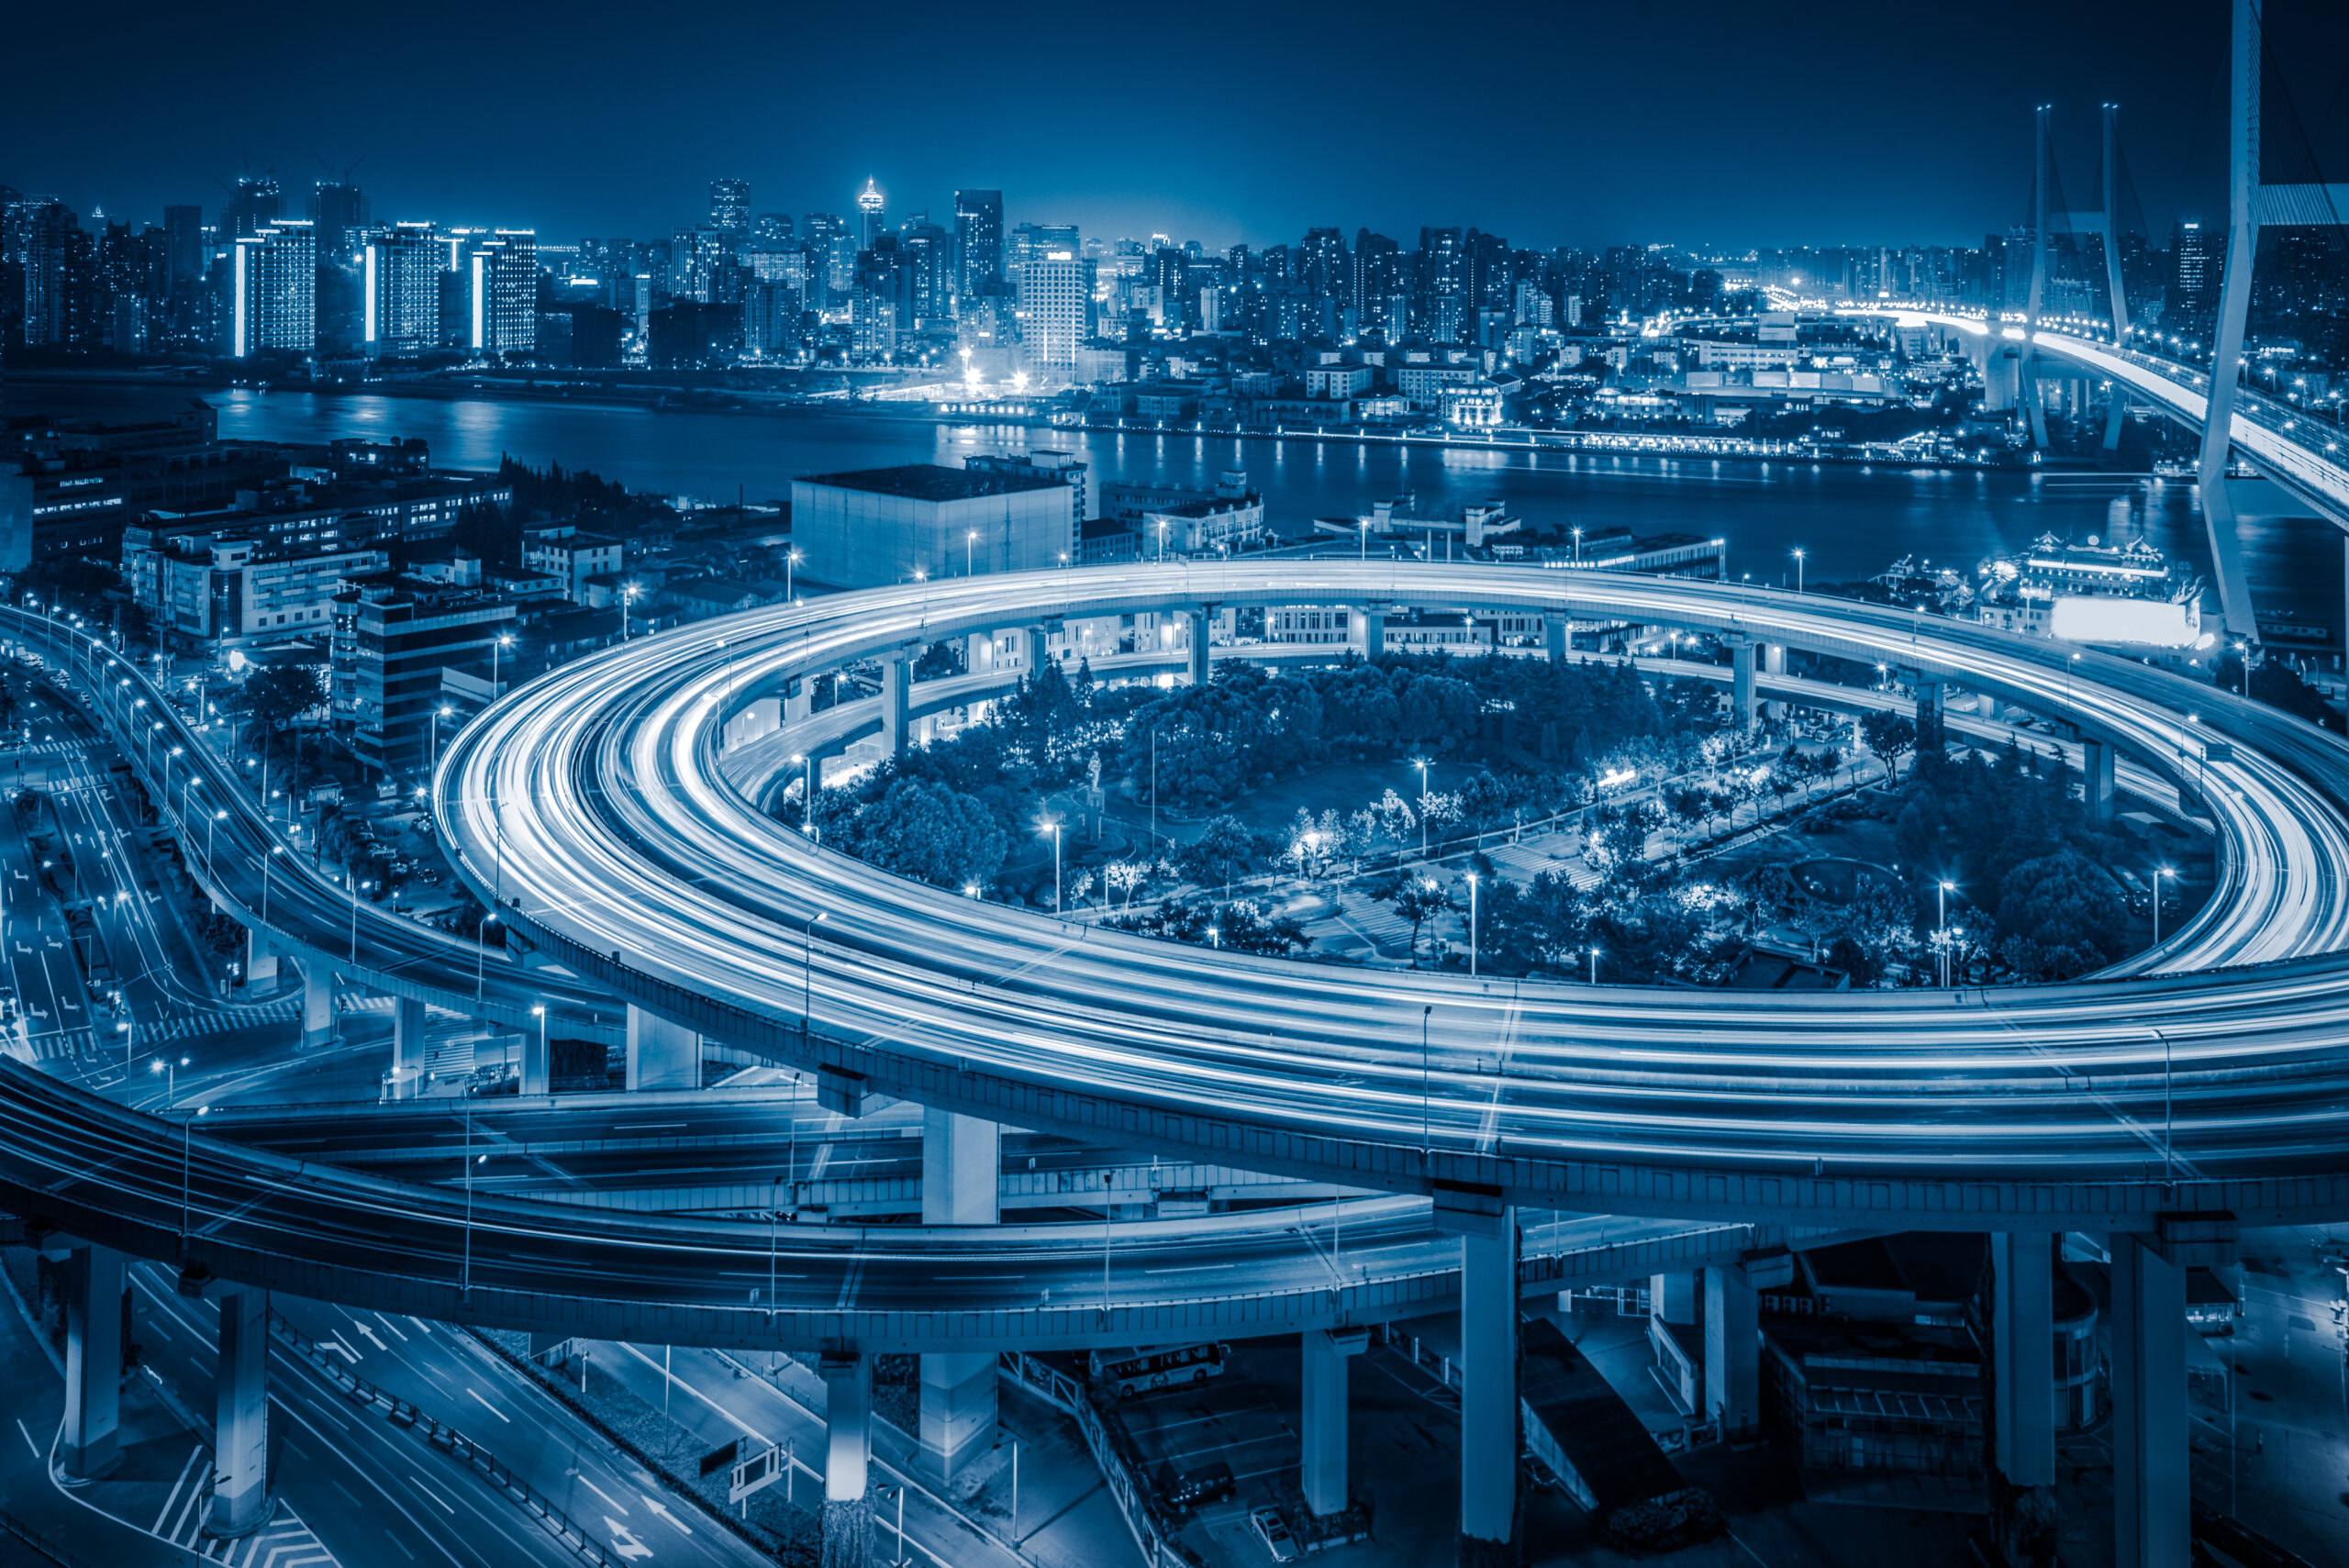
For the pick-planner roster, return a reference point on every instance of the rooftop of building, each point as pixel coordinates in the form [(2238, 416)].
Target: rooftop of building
[(933, 481)]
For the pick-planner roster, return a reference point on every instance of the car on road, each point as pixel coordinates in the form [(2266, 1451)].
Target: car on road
[(1274, 1532), (1203, 1484)]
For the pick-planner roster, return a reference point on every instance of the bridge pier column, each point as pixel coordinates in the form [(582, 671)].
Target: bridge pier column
[(1673, 1297), (847, 1519), (1202, 637), (407, 1049), (1374, 633), (798, 699), (317, 1003), (2095, 780), (2022, 1333), (2150, 1489), (1741, 665), (661, 1055), (895, 675), (1488, 1418), (241, 1393), (88, 1446), (961, 1178), (1323, 1470), (538, 1065), (1035, 648), (1732, 1351), (1557, 638), (261, 960)]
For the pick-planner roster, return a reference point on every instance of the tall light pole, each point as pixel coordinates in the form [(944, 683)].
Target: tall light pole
[(267, 860), (356, 889), (540, 1013), (480, 948), (970, 541), (1472, 925), (807, 974), (1940, 934), (187, 1136), (628, 597), (1422, 763), (1799, 570), (504, 640), (1052, 824), (2159, 873), (790, 559), (211, 822), (1593, 966), (1576, 531), (443, 711)]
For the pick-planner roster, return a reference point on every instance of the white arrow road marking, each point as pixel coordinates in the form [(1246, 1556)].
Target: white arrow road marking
[(662, 1509), (624, 1540)]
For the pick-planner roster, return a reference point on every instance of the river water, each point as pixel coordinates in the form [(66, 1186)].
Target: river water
[(1851, 522)]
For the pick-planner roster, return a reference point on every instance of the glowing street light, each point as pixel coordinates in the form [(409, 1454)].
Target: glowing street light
[(1052, 824), (1798, 560)]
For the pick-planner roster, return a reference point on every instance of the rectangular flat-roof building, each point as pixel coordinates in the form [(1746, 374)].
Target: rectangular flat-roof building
[(881, 526)]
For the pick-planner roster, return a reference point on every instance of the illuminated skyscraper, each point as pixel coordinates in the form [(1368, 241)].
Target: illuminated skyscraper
[(978, 243), (730, 208), (869, 205), (337, 213), (403, 266), (1054, 296), (504, 293), (275, 281)]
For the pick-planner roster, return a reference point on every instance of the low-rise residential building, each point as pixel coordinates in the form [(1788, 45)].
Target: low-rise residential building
[(396, 637), (572, 555), (1337, 380), (1315, 624), (234, 585)]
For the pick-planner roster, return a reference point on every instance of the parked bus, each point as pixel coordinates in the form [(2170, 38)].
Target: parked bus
[(1138, 1371)]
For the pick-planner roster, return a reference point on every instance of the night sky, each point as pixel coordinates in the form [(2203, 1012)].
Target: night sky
[(1699, 124)]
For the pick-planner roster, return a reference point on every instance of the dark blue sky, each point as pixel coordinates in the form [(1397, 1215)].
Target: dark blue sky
[(1768, 122)]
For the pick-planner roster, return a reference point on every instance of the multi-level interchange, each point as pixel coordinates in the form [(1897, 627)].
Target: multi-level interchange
[(615, 817)]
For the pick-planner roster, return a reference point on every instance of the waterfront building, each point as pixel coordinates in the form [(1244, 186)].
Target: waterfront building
[(978, 243), (883, 526), (401, 268), (1055, 297), (1056, 465), (505, 294), (274, 280), (2095, 592)]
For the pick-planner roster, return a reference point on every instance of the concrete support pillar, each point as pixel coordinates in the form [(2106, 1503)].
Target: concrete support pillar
[(895, 675), (2022, 1333), (261, 960), (2150, 1489), (1741, 665), (1673, 1297), (2095, 780), (1202, 638), (1035, 648), (407, 1080), (1557, 638), (961, 1178), (1488, 1417), (317, 1003), (1322, 1468), (1929, 713), (661, 1055), (538, 1065), (847, 1520), (241, 1416), (1732, 1351), (1374, 633), (798, 699), (88, 1447)]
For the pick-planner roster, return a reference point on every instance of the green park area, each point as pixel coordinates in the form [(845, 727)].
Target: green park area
[(1572, 821)]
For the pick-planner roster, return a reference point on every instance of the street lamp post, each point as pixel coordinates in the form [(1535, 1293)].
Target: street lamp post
[(1799, 557), (1472, 925), (209, 824), (267, 861), (481, 948), (1422, 763), (628, 597), (187, 1136), (356, 889), (505, 640), (1593, 966), (970, 541), (2159, 873), (790, 561), (807, 974), (1053, 826), (540, 1013), (1940, 934)]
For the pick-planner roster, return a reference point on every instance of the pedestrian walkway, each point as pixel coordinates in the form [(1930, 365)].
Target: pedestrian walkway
[(66, 1044)]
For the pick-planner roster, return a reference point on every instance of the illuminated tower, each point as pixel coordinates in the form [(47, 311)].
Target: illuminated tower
[(868, 201)]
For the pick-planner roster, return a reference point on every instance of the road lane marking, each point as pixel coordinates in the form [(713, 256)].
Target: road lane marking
[(600, 1492), (624, 1540), (490, 1407), (429, 1491), (397, 1541), (662, 1509), (28, 1437)]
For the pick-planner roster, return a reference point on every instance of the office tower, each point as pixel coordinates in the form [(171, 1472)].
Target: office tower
[(1054, 296), (772, 304), (730, 208), (39, 240), (339, 213), (1170, 276), (1326, 274), (698, 259), (825, 236), (253, 203), (978, 243), (932, 278), (505, 294), (2198, 257), (868, 206), (1377, 276), (1442, 285), (881, 309), (401, 284), (274, 282), (771, 231), (182, 247)]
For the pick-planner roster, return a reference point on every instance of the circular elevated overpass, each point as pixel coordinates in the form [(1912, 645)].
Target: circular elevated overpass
[(591, 804)]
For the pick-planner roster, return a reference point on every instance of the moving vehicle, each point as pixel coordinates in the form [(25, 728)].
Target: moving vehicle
[(1138, 1370), (1274, 1533), (1205, 1484)]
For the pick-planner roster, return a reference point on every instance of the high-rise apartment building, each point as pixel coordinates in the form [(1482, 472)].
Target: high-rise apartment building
[(38, 242), (869, 209), (978, 243), (254, 202), (401, 280), (1054, 295), (274, 282), (2198, 257), (730, 208), (339, 215), (504, 293), (771, 231)]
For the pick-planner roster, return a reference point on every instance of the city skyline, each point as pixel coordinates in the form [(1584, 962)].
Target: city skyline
[(1663, 148)]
